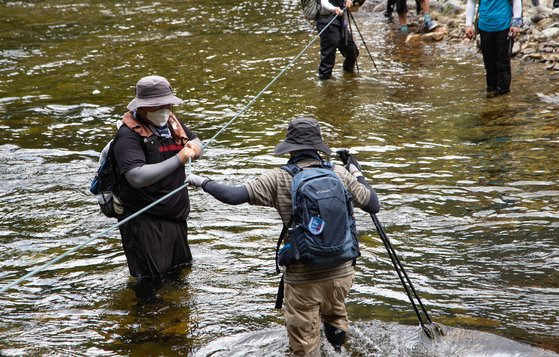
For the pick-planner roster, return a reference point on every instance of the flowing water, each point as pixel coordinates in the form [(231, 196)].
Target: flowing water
[(468, 185)]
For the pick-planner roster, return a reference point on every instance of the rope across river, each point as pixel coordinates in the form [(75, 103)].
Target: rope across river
[(115, 226)]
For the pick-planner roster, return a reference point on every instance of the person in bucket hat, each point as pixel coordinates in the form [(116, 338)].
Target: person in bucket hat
[(302, 134), (311, 295), (150, 150), (153, 91)]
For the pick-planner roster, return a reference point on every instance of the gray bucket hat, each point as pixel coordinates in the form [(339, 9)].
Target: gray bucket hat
[(302, 133), (153, 91)]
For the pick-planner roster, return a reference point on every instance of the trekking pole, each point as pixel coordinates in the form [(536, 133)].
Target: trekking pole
[(398, 266), (362, 39), (402, 274), (355, 46)]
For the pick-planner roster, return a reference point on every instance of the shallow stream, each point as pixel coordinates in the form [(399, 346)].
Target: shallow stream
[(468, 184)]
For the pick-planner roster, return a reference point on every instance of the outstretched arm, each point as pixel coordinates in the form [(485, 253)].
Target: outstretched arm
[(232, 195)]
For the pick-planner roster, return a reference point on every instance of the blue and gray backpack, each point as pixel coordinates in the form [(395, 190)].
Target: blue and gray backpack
[(321, 232), (105, 186)]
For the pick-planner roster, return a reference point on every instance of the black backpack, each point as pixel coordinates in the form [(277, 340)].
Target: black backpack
[(322, 231), (105, 184)]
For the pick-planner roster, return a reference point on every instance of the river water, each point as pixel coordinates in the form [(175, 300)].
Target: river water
[(468, 184)]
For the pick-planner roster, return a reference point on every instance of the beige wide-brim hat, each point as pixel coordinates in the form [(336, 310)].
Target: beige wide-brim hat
[(153, 91)]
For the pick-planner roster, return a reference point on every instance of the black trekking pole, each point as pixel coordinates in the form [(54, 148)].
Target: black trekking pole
[(362, 39), (398, 266), (354, 45)]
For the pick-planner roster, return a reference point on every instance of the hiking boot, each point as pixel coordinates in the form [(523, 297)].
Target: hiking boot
[(490, 92), (501, 91), (430, 25), (335, 336)]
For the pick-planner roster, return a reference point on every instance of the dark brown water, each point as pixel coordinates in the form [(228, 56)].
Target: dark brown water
[(468, 185)]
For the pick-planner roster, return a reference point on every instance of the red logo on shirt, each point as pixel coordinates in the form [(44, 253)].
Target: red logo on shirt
[(172, 147)]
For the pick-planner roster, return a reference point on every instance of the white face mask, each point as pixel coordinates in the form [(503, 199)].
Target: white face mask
[(159, 117)]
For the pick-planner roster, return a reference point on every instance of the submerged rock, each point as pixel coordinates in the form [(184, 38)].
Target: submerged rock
[(376, 338), (413, 38)]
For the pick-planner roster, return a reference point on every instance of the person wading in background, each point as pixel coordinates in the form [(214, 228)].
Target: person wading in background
[(311, 294), (499, 23), (336, 36), (402, 11), (151, 148)]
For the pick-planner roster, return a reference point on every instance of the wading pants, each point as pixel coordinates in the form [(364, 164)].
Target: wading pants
[(496, 48), (336, 36), (154, 247), (306, 305)]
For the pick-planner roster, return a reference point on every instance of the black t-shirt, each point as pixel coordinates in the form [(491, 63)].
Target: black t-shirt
[(131, 150)]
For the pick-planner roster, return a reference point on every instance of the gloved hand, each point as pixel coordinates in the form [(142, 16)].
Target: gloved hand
[(196, 180), (353, 170)]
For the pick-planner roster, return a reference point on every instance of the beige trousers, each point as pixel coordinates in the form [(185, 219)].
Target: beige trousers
[(306, 305)]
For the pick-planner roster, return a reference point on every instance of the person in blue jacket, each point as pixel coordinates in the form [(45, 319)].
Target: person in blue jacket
[(499, 22)]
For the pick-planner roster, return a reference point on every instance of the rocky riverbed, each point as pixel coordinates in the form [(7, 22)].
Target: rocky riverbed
[(537, 42)]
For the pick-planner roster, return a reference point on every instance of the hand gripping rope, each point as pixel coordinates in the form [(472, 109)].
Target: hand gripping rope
[(113, 227)]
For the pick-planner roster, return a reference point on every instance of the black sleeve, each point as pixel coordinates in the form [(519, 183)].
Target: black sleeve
[(232, 195), (373, 206), (128, 150)]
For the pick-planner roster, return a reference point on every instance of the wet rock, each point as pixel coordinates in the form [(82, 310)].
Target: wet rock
[(545, 23), (453, 7), (376, 338), (550, 57), (433, 36), (456, 33), (454, 24), (537, 34), (537, 18), (544, 10), (516, 49), (544, 47), (413, 38), (380, 7), (552, 32), (528, 50), (533, 56)]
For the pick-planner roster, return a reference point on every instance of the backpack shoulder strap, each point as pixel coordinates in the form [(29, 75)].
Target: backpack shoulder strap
[(292, 169)]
